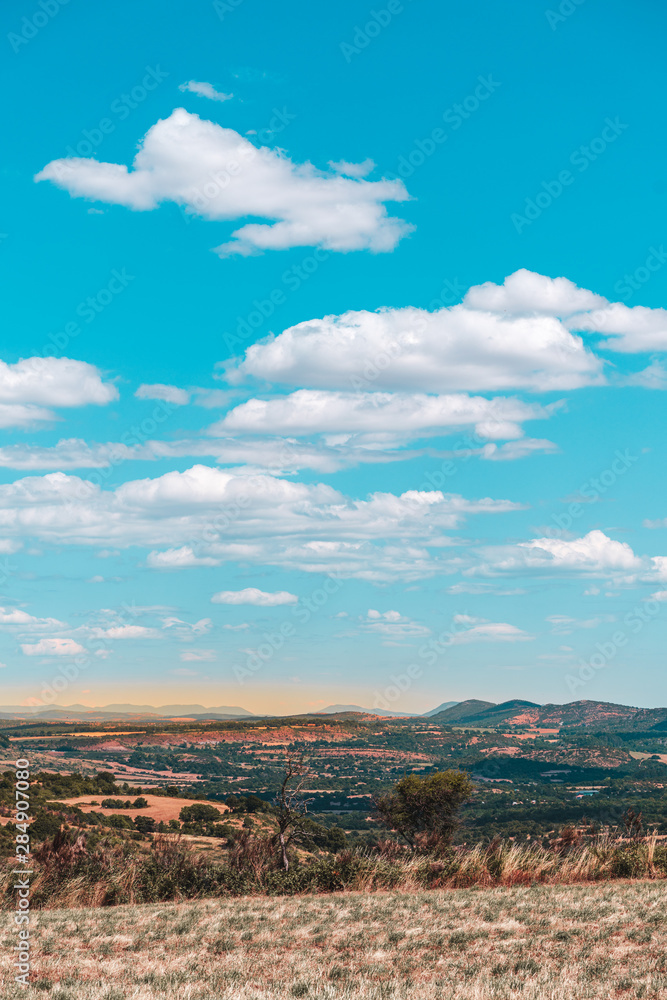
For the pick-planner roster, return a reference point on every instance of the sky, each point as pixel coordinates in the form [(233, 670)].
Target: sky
[(333, 364)]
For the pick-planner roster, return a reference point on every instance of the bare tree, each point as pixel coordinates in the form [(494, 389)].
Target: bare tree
[(291, 805)]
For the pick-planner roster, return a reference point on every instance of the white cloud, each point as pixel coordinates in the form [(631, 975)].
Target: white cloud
[(167, 393), (178, 559), (25, 622), (526, 293), (198, 655), (204, 89), (512, 450), (565, 625), (251, 595), (34, 383), (654, 376), (352, 169), (595, 551), (629, 329), (18, 415), (309, 411), (218, 174), (491, 632), (54, 382), (52, 647), (455, 348), (595, 554), (393, 624), (521, 334), (237, 628), (186, 630), (126, 632), (255, 518)]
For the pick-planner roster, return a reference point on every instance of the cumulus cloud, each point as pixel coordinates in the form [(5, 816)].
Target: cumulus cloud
[(629, 329), (31, 384), (309, 411), (594, 554), (167, 393), (52, 647), (203, 89), (255, 518), (526, 293), (251, 595), (521, 334), (219, 175), (178, 559), (54, 382), (16, 617), (455, 348), (595, 551)]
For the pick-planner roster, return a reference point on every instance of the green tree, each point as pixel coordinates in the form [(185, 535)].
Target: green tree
[(424, 811), (200, 817)]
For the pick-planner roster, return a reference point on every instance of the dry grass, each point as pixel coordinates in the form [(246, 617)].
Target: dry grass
[(160, 807), (548, 942)]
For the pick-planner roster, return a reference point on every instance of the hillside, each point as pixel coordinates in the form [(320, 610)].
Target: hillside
[(462, 710), (529, 942)]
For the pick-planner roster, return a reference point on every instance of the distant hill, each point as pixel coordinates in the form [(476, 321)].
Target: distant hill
[(463, 710), (84, 713), (515, 711), (602, 715), (441, 708), (337, 709), (592, 715)]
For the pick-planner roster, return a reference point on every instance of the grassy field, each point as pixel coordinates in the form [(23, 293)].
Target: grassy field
[(546, 942)]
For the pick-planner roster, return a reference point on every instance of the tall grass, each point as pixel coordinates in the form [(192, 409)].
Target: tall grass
[(67, 874)]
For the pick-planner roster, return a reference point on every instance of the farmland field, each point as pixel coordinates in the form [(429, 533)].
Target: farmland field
[(537, 943)]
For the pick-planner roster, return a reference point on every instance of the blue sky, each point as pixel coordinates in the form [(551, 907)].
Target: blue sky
[(350, 387)]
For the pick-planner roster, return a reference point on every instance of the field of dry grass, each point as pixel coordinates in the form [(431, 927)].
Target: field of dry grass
[(160, 807), (580, 942)]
